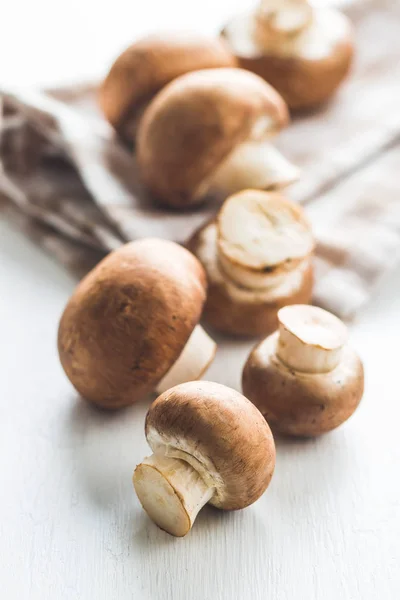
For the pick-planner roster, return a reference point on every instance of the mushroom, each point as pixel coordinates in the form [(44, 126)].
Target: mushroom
[(209, 133), (257, 255), (131, 326), (210, 444), (305, 378), (148, 65), (301, 50)]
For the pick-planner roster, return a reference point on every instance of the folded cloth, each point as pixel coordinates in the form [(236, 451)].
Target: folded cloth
[(75, 188)]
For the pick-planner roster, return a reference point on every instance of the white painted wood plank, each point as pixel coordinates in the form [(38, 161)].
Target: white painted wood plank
[(71, 527)]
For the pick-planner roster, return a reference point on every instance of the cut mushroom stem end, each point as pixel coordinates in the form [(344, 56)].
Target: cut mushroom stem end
[(286, 18), (193, 361), (253, 164), (261, 238), (310, 339), (172, 492)]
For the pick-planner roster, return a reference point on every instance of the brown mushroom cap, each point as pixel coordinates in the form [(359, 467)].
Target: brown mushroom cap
[(300, 403), (303, 81), (195, 122), (129, 319), (148, 65), (224, 433)]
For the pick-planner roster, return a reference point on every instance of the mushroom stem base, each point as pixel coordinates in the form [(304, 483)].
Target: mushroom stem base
[(192, 362), (171, 492), (256, 165)]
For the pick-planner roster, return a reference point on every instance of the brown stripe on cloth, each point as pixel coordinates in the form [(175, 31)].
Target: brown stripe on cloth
[(76, 257), (357, 225), (63, 166)]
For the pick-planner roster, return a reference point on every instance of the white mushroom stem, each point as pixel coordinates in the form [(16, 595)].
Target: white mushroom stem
[(253, 164), (310, 339), (171, 491), (262, 238), (193, 361), (296, 28), (252, 280), (286, 17)]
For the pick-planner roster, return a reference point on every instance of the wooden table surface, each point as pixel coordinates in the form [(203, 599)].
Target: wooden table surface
[(71, 527)]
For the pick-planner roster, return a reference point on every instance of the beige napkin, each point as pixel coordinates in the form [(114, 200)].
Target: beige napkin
[(72, 186)]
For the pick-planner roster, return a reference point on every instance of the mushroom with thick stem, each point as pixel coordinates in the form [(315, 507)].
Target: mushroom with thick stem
[(210, 444), (257, 255), (144, 68), (303, 51), (305, 378), (131, 326), (209, 133)]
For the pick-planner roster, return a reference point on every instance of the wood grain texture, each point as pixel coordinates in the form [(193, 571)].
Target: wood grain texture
[(71, 528)]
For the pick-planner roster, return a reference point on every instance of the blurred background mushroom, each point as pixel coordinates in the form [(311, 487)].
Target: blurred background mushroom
[(304, 51), (144, 68), (209, 133)]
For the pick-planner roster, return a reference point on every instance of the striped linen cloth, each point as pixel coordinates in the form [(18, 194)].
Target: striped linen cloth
[(74, 188)]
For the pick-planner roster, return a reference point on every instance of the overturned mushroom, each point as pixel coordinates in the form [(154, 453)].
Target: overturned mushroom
[(305, 378), (301, 50), (210, 444), (147, 66), (131, 325), (210, 133), (257, 255)]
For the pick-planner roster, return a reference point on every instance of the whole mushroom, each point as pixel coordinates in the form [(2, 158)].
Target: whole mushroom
[(257, 255), (305, 378), (210, 444), (131, 326), (210, 133), (303, 51), (144, 68)]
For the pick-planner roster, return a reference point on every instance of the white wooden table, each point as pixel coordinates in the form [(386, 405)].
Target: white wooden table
[(71, 528)]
